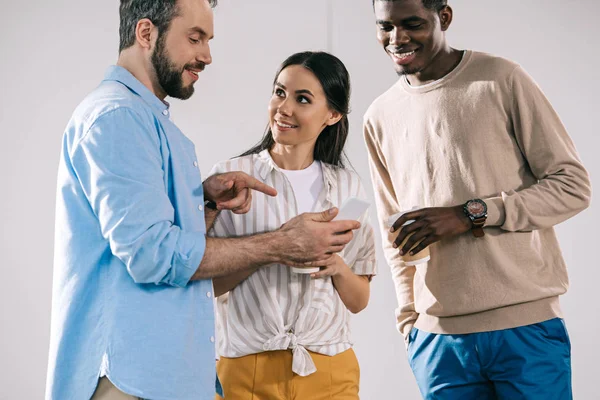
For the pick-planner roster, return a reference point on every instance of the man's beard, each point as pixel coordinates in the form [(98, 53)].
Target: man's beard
[(170, 78)]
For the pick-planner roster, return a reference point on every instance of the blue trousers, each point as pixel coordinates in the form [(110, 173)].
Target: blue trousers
[(530, 362)]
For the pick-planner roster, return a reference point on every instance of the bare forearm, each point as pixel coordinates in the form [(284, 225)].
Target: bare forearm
[(224, 284), (210, 216), (226, 256), (308, 239), (354, 290)]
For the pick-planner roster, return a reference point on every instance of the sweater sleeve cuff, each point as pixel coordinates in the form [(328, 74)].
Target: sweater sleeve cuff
[(495, 210)]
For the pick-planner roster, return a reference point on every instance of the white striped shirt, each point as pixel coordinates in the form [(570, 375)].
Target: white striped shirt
[(274, 308)]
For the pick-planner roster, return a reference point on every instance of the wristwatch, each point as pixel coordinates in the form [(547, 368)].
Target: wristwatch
[(210, 204), (476, 210)]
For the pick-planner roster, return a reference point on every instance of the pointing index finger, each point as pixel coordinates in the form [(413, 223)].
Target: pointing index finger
[(259, 186)]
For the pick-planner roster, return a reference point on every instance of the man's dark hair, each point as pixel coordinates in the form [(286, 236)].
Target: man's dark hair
[(435, 5), (160, 12)]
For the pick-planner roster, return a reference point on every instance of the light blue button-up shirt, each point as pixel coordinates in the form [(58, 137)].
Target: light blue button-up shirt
[(130, 233)]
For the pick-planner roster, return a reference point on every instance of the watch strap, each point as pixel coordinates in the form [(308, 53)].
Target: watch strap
[(210, 204), (478, 224)]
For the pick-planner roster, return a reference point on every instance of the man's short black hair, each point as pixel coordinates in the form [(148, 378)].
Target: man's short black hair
[(435, 5), (160, 12)]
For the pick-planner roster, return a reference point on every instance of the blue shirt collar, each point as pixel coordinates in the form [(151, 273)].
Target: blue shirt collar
[(123, 76)]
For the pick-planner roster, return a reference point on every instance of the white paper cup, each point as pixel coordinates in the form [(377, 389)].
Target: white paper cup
[(306, 270), (410, 260)]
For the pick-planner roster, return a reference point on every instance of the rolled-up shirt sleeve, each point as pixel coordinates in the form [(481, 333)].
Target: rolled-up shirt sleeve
[(118, 162), (365, 263)]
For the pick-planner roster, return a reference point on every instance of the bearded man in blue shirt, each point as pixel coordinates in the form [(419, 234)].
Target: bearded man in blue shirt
[(132, 307)]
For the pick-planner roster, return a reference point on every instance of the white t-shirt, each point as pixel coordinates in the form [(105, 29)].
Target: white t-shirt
[(307, 185)]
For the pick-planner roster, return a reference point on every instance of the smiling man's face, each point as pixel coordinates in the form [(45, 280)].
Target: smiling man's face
[(183, 51), (411, 34)]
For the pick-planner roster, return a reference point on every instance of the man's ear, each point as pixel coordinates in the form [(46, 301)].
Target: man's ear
[(144, 31), (445, 15)]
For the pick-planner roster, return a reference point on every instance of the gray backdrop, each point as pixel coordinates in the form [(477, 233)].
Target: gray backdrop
[(54, 52)]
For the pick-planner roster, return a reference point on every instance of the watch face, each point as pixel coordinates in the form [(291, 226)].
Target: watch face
[(477, 208)]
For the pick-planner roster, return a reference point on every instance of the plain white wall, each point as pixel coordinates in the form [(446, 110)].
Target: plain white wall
[(53, 53)]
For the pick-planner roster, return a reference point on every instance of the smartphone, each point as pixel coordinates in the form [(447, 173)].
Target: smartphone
[(352, 209)]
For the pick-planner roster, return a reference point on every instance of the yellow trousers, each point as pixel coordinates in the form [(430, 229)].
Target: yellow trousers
[(269, 376)]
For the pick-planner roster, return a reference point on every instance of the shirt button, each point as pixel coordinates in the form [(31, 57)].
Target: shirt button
[(165, 112), (200, 207), (212, 339), (195, 163), (208, 294)]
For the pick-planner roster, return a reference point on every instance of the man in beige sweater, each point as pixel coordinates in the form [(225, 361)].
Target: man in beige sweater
[(471, 139)]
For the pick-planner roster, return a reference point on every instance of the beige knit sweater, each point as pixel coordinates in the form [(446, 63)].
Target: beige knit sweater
[(485, 131)]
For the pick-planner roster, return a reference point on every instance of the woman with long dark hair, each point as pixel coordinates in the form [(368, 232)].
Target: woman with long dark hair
[(283, 333)]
